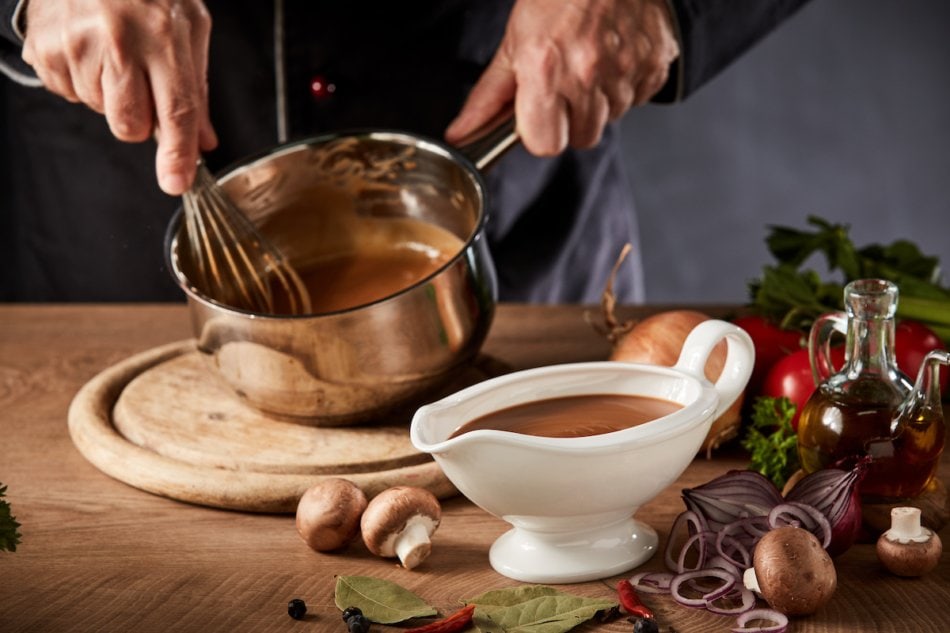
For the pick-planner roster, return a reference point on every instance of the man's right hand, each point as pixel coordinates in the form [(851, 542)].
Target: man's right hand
[(141, 63)]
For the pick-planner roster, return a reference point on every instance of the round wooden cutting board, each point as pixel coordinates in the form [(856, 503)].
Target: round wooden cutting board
[(161, 421)]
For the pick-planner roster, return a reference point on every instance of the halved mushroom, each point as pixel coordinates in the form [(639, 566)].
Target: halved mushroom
[(398, 522)]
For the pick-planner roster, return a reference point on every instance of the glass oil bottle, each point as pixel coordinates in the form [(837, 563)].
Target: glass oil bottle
[(869, 407)]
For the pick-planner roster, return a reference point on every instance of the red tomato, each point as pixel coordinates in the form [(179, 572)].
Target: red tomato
[(771, 342), (912, 341), (791, 377)]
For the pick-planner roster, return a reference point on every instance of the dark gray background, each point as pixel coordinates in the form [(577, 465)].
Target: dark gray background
[(844, 112)]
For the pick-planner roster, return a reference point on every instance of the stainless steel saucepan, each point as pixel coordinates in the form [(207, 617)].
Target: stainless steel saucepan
[(355, 364)]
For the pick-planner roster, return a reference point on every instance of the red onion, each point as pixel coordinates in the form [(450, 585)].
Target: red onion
[(735, 495), (780, 620), (835, 493), (724, 520)]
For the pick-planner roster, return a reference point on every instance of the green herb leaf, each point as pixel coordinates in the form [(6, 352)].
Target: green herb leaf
[(771, 441), (381, 601), (9, 537), (791, 295), (534, 609)]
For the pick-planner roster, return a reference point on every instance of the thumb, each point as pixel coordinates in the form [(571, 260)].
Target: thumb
[(493, 93)]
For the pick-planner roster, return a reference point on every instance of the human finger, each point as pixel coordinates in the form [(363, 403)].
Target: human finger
[(587, 118), (493, 93), (85, 71), (127, 102), (540, 109), (177, 113)]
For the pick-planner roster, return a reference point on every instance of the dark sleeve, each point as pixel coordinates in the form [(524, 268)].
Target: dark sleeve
[(714, 33), (11, 44)]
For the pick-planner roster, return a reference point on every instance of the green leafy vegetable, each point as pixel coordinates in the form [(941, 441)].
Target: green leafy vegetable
[(9, 537), (771, 440), (381, 601), (791, 295), (534, 609)]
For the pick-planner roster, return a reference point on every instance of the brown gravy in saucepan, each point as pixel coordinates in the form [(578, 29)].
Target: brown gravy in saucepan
[(372, 260), (574, 416), (355, 279)]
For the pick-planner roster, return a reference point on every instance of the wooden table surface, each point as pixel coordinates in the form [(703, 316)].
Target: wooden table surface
[(98, 555)]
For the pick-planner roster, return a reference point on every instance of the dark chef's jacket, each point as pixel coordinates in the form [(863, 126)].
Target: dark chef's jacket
[(82, 218)]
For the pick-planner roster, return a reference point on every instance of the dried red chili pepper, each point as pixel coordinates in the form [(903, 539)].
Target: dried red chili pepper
[(458, 621), (630, 601)]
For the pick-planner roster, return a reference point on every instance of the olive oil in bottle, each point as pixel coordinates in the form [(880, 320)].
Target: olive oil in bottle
[(870, 408)]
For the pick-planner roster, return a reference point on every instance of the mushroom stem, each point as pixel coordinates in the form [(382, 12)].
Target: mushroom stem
[(412, 546), (751, 581), (905, 526)]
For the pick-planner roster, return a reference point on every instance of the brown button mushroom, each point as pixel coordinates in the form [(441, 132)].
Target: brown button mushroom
[(908, 549), (328, 514), (792, 571), (399, 521)]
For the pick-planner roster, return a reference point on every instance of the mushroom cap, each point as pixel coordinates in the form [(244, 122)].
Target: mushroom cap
[(328, 514), (794, 572), (909, 559), (389, 512)]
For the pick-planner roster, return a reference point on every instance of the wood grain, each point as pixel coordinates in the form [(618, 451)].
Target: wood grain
[(100, 555), (160, 421)]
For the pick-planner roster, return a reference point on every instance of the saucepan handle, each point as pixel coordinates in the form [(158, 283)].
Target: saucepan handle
[(490, 142), (740, 358)]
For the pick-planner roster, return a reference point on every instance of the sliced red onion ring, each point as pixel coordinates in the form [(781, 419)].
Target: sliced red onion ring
[(780, 620), (721, 563), (735, 547), (746, 602), (694, 524), (729, 581), (700, 539), (655, 582), (811, 519)]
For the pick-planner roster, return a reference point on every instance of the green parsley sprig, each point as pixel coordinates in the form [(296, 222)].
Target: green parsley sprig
[(771, 440), (9, 537)]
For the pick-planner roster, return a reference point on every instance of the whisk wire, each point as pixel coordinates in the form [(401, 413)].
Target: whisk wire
[(233, 262)]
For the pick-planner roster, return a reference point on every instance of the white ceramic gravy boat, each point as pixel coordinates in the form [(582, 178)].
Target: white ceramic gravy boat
[(571, 500)]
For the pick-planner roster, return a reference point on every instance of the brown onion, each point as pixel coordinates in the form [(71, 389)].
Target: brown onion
[(658, 340)]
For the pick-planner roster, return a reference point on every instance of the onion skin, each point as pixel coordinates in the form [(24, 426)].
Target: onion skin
[(658, 340)]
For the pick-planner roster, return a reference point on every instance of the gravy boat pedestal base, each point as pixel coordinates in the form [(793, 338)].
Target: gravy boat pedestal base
[(559, 557)]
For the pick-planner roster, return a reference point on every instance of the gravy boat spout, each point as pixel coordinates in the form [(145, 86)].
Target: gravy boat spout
[(571, 500)]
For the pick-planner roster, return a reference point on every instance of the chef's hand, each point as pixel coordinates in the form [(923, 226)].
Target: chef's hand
[(570, 67), (142, 63)]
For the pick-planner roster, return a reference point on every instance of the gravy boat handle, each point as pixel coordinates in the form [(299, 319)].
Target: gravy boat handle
[(737, 369)]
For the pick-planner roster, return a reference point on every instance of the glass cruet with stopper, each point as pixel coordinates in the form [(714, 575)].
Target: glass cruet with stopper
[(869, 407)]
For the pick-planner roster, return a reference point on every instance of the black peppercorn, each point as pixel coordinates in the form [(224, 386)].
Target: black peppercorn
[(297, 608), (645, 625), (356, 622)]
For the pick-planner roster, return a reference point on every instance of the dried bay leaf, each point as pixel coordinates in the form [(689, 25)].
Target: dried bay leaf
[(381, 601), (534, 609)]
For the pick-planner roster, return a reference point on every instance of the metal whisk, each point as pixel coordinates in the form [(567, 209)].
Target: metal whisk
[(234, 263)]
